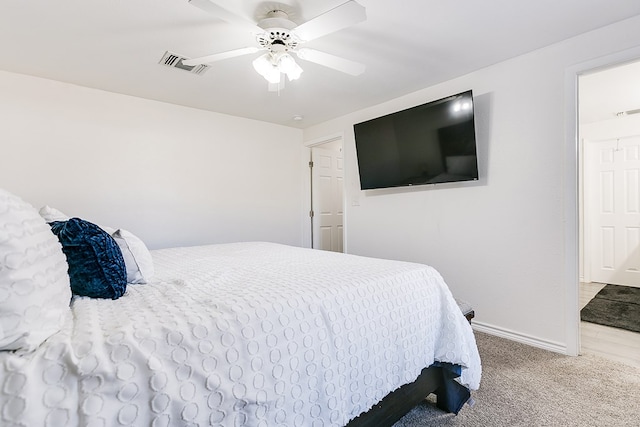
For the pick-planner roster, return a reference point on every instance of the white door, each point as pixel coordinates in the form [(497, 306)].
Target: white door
[(613, 168), (327, 205)]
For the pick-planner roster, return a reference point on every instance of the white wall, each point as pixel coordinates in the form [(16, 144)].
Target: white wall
[(175, 176), (499, 243)]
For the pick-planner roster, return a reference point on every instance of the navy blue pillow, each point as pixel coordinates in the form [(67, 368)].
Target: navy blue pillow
[(96, 265)]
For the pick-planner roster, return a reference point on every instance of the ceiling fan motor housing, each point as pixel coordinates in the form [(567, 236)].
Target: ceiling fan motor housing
[(277, 36)]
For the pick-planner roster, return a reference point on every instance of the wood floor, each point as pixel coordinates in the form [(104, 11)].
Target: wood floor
[(611, 343)]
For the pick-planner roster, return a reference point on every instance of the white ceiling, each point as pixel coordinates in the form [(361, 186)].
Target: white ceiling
[(406, 45)]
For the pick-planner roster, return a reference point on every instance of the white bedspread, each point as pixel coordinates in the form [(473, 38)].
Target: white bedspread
[(253, 334)]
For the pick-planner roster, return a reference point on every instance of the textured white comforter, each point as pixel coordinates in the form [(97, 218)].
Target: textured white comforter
[(254, 334)]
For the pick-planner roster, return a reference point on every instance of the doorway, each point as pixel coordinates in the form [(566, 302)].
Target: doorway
[(609, 124), (609, 201), (326, 216)]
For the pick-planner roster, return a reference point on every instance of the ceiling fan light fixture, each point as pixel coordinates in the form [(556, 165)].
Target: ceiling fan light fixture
[(262, 64), (287, 65), (295, 74), (281, 37), (271, 65), (265, 67)]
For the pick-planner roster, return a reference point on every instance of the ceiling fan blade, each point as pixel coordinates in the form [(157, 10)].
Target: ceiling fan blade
[(326, 59), (340, 17), (226, 15), (220, 56)]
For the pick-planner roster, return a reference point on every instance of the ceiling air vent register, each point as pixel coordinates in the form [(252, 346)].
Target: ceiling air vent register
[(173, 60)]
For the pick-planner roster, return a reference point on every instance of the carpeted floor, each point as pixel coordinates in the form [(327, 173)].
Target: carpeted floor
[(616, 306), (527, 386)]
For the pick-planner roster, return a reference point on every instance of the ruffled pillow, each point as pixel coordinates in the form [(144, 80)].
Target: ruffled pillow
[(34, 285), (96, 265)]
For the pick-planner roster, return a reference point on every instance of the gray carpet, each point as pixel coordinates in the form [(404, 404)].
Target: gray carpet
[(526, 386), (614, 305)]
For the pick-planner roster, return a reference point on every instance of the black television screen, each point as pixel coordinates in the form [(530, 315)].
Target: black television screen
[(427, 144)]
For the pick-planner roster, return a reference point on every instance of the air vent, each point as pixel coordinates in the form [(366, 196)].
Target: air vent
[(175, 61)]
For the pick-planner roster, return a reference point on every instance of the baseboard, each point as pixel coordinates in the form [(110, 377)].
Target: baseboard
[(519, 337)]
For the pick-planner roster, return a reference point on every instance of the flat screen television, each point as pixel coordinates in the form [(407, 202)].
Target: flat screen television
[(428, 144)]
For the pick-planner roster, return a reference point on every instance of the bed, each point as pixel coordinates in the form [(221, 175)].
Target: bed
[(251, 333)]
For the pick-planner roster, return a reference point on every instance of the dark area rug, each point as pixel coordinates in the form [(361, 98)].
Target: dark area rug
[(616, 306)]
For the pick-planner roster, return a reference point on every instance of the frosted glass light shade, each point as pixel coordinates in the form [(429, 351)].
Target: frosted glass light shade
[(270, 67), (288, 65)]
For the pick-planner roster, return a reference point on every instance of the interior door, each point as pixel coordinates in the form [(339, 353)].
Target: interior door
[(327, 199), (614, 190)]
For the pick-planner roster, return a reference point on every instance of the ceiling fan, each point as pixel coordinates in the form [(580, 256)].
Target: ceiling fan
[(280, 37)]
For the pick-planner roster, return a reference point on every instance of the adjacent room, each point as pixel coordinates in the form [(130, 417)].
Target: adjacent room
[(304, 213), (609, 282)]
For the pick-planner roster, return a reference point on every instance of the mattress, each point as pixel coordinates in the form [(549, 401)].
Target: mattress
[(255, 334)]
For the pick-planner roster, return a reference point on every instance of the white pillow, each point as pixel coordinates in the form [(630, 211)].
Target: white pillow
[(34, 283), (51, 214), (137, 258)]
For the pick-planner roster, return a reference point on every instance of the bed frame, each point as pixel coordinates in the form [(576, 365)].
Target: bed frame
[(398, 403)]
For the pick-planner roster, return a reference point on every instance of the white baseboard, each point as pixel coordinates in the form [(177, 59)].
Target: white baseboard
[(519, 337)]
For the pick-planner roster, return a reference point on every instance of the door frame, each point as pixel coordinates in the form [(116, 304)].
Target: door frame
[(572, 188), (306, 191)]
